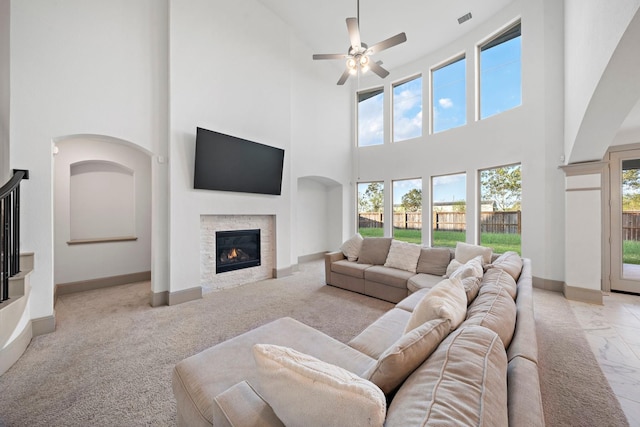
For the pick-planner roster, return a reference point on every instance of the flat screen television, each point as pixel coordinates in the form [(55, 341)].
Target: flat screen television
[(228, 163)]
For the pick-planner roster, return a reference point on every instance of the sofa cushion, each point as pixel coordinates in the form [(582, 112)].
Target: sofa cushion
[(389, 276), (510, 262), (496, 276), (422, 281), (403, 256), (433, 261), (243, 406), (446, 300), (374, 250), (349, 268), (494, 309), (351, 248), (410, 302), (303, 390), (471, 288), (463, 382), (406, 354), (471, 268), (464, 252), (381, 334)]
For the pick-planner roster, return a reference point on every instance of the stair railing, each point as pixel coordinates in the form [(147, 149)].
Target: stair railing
[(10, 230)]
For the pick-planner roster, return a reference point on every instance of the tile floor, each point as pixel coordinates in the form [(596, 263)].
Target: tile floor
[(613, 331)]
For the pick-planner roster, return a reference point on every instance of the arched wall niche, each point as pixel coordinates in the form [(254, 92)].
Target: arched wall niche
[(102, 208), (319, 213)]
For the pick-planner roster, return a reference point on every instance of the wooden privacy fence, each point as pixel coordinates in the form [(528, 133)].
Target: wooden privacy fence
[(490, 222), (631, 225)]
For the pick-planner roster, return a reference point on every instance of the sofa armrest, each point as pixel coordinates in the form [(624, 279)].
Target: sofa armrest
[(330, 257)]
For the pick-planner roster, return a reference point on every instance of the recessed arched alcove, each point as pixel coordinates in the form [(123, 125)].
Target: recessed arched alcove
[(102, 212), (319, 215)]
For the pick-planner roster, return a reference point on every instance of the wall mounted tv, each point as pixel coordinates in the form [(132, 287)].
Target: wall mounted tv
[(227, 163)]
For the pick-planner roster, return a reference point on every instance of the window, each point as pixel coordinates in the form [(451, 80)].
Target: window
[(449, 105), (407, 210), (407, 110), (449, 208), (371, 118), (500, 73), (500, 214), (371, 209)]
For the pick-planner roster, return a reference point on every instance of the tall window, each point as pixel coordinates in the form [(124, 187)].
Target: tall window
[(371, 209), (407, 210), (371, 118), (501, 73), (407, 110), (449, 207), (448, 100), (500, 213)]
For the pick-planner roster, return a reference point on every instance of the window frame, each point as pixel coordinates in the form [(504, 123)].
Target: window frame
[(452, 60)]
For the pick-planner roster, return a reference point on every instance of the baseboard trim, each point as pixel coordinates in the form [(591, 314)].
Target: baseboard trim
[(103, 282), (591, 296), (43, 325), (283, 272), (159, 298), (311, 257), (185, 295), (548, 284), (12, 352)]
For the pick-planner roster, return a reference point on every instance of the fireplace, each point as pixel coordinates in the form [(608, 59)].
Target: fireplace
[(237, 249)]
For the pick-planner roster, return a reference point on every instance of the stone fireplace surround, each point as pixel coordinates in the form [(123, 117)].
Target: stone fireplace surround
[(209, 224)]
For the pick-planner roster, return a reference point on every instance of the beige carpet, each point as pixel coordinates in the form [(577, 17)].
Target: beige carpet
[(109, 361)]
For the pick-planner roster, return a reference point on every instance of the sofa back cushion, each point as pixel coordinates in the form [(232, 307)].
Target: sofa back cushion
[(464, 382), (403, 256), (494, 309), (499, 277), (374, 250), (303, 390), (406, 354), (464, 252), (434, 261), (510, 262), (446, 300)]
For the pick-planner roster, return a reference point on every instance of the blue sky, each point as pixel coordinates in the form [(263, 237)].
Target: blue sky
[(500, 90)]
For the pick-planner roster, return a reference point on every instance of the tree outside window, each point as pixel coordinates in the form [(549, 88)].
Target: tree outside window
[(501, 215), (407, 210), (371, 209)]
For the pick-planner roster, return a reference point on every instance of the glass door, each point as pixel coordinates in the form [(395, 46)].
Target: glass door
[(625, 221)]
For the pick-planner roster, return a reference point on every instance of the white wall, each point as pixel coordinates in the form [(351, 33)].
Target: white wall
[(81, 67), (96, 260), (5, 6), (530, 134), (593, 30)]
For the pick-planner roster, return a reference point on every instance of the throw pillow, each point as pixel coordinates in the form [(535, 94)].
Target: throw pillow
[(303, 390), (351, 248), (374, 250), (446, 300), (434, 261), (452, 267), (403, 256), (465, 252), (406, 354), (471, 287), (472, 268), (510, 262)]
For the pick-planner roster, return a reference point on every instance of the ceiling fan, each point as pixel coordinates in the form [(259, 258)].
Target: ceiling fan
[(358, 54)]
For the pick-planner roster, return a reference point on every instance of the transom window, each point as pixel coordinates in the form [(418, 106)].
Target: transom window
[(407, 109), (501, 73), (371, 117), (448, 100)]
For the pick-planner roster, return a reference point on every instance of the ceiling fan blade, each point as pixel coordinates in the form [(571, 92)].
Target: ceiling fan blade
[(354, 32), (376, 68), (329, 56), (343, 77), (386, 44)]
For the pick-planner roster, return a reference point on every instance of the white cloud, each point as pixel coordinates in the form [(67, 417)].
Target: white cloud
[(445, 102)]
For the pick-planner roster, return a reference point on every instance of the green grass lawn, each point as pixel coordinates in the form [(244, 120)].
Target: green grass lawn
[(499, 242), (631, 252)]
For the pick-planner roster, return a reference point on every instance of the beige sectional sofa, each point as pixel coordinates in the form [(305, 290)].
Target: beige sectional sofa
[(480, 372)]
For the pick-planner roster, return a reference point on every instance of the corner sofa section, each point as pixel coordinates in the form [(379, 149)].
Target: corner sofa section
[(482, 373)]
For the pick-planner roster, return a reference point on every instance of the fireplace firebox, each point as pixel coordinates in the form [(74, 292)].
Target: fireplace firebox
[(237, 249)]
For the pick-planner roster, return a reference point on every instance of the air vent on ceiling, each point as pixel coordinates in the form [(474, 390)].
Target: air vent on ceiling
[(464, 18)]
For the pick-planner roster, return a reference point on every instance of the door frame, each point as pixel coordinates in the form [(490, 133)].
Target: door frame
[(611, 221)]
